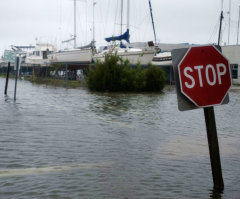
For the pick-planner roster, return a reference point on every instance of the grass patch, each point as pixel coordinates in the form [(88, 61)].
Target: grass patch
[(10, 76), (55, 82)]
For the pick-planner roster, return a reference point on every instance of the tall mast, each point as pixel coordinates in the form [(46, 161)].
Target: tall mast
[(121, 16), (94, 3), (220, 27), (75, 25), (150, 6), (238, 25), (229, 21), (128, 13)]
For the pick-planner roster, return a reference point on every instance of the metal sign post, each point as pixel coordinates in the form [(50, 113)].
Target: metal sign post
[(202, 81), (213, 148)]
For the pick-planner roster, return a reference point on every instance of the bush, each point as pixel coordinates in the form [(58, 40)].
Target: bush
[(155, 79), (115, 74)]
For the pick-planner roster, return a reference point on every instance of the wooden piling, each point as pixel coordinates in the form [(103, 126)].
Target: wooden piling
[(7, 77), (16, 77), (66, 74)]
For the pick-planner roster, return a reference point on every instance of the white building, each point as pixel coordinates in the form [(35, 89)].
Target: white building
[(232, 53)]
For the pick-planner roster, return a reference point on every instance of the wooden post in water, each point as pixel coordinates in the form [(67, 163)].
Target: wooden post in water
[(66, 73), (16, 77), (213, 148), (7, 77)]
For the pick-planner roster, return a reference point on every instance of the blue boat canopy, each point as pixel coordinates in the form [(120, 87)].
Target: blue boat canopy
[(125, 36)]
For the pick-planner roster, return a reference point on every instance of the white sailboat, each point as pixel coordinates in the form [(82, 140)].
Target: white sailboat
[(133, 55), (161, 58), (73, 56), (77, 55)]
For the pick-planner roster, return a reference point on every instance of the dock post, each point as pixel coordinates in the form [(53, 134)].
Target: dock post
[(16, 77), (213, 148), (7, 77), (66, 68)]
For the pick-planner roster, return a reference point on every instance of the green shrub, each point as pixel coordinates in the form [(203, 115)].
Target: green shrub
[(155, 79), (115, 74)]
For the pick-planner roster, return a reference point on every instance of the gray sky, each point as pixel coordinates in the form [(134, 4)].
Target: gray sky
[(25, 22)]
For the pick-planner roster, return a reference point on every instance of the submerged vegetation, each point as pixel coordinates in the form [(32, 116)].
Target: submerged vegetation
[(115, 75), (55, 82)]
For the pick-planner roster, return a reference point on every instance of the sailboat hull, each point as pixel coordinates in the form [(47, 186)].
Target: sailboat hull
[(72, 56), (134, 57), (162, 59), (36, 60)]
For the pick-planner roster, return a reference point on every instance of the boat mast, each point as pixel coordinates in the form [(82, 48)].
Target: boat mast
[(94, 3), (128, 13), (220, 27), (229, 21), (121, 16), (238, 24), (150, 6), (75, 25)]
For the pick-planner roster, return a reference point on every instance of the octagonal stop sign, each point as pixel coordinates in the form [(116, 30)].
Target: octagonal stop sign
[(204, 75)]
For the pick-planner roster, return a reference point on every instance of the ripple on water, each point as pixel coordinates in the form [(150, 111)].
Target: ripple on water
[(71, 143)]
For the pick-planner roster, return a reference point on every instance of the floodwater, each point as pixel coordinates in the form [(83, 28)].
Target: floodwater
[(72, 143)]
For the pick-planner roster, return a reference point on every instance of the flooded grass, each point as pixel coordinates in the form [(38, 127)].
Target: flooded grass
[(57, 82)]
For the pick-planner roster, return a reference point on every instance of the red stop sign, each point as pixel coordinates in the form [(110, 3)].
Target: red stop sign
[(205, 76)]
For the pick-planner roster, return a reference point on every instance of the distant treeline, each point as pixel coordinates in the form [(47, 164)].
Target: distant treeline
[(116, 75)]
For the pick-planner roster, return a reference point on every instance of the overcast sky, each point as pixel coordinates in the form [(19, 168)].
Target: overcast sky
[(25, 22)]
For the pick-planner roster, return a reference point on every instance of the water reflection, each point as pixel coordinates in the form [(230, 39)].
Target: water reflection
[(120, 103), (216, 194)]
